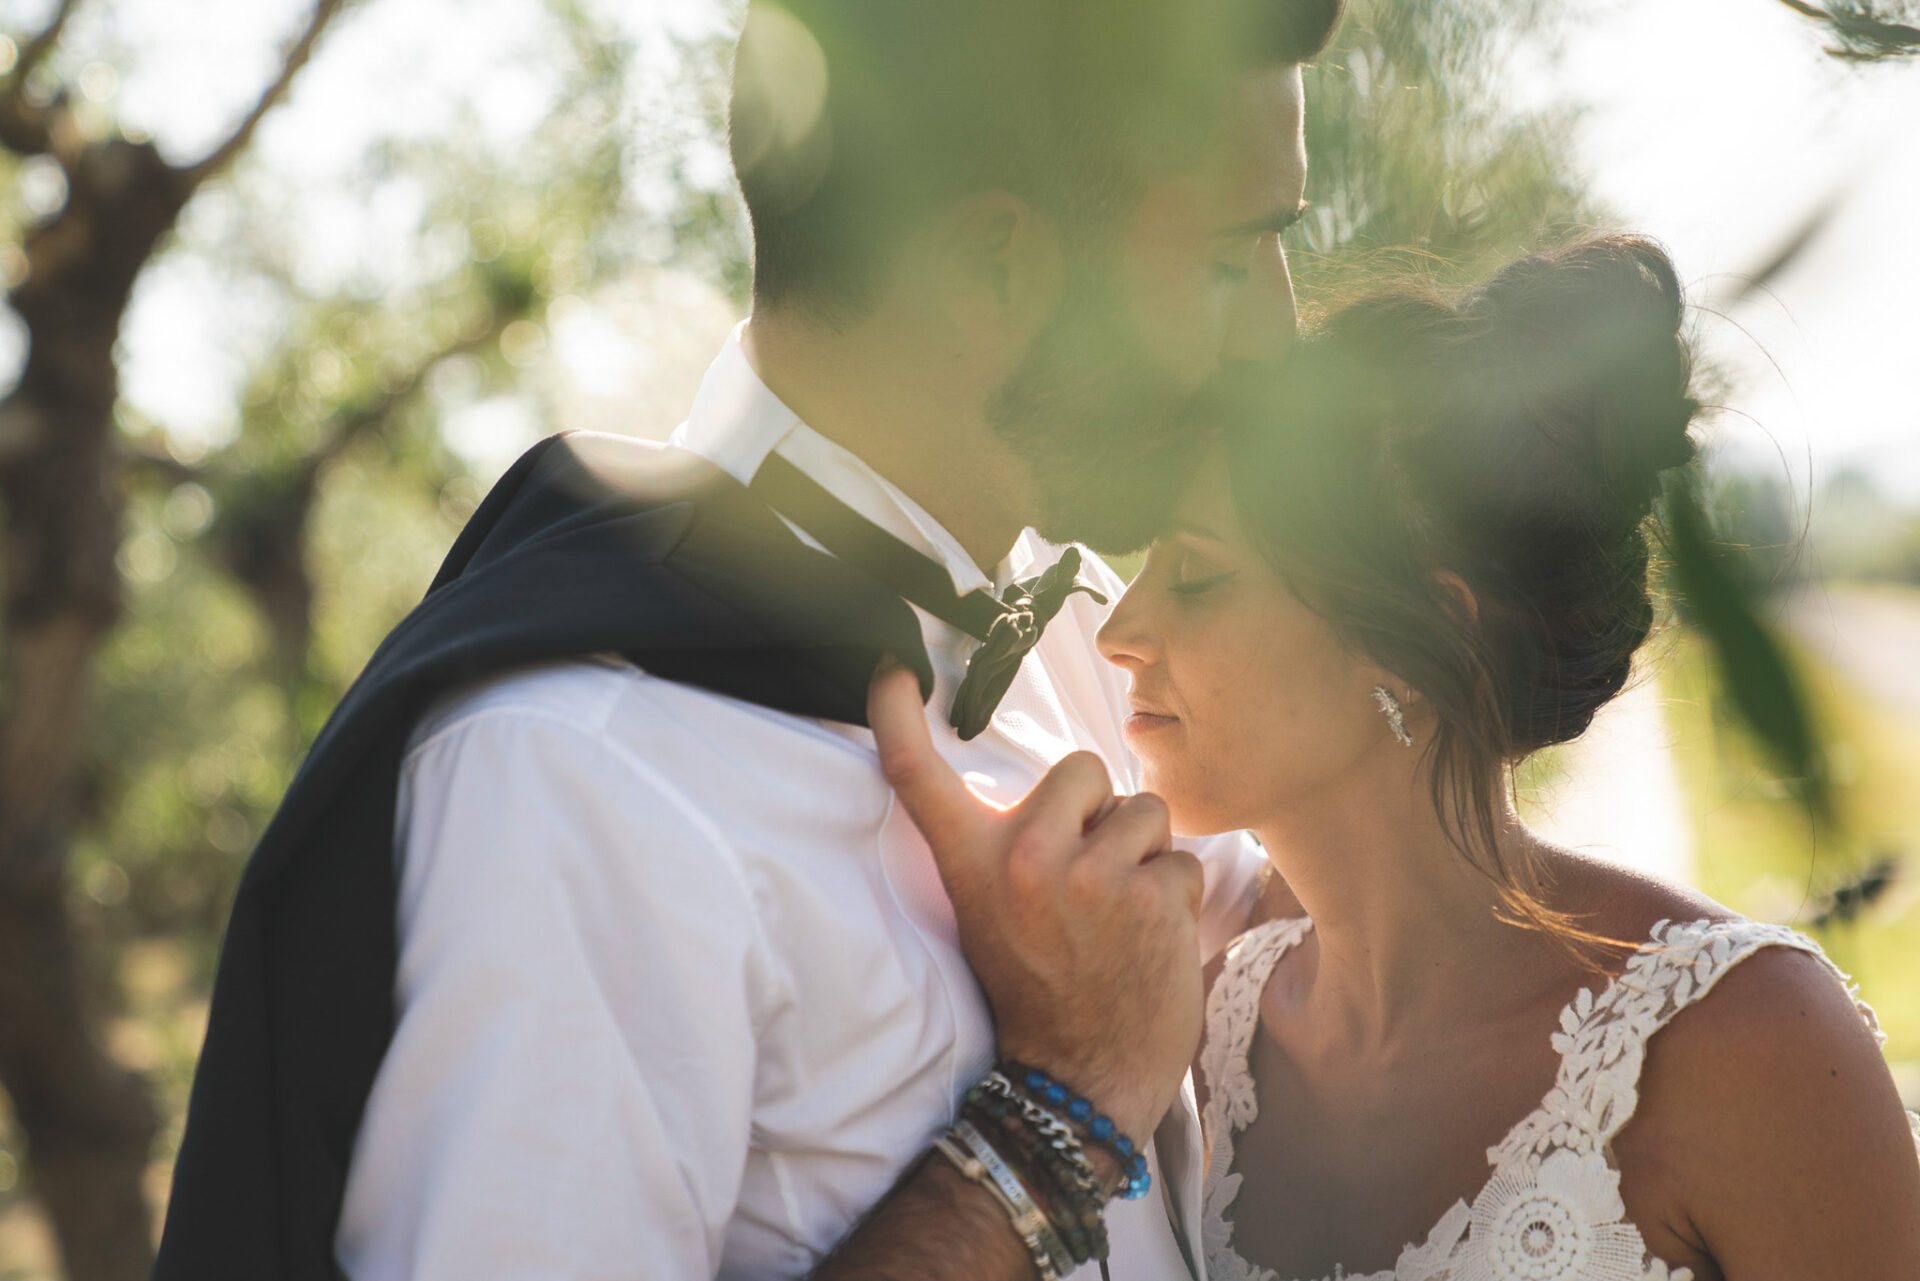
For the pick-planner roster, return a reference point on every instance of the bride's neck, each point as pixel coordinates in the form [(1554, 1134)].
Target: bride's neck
[(1406, 931)]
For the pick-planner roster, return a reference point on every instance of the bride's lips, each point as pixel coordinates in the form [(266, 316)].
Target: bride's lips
[(1142, 721)]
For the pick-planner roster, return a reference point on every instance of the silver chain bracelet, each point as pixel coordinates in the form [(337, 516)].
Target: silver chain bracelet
[(1059, 1135)]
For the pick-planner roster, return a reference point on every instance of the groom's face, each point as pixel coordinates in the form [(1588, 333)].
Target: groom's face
[(1193, 277)]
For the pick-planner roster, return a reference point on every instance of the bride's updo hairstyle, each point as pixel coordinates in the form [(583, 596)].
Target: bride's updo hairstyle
[(1512, 440)]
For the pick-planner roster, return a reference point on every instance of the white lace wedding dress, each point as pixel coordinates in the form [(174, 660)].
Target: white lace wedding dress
[(1552, 1207)]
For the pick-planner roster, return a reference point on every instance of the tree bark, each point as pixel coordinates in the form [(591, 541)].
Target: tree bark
[(89, 1123)]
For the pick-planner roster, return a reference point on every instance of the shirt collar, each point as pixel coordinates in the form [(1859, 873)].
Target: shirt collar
[(736, 421)]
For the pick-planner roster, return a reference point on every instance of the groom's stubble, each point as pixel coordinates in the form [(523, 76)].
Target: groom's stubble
[(1099, 420)]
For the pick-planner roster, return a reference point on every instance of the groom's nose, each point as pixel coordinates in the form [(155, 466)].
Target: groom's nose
[(1261, 323)]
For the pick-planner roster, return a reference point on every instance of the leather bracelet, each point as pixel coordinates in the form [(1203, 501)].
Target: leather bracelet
[(1019, 1196), (1071, 1200), (983, 1165)]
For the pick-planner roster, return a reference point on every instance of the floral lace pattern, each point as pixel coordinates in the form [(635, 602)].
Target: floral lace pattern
[(1552, 1207)]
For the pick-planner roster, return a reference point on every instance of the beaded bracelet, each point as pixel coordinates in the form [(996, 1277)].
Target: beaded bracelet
[(1071, 1199), (1054, 1149), (981, 1163), (1043, 1089)]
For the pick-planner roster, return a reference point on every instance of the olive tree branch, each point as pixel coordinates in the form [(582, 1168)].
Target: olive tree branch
[(298, 54)]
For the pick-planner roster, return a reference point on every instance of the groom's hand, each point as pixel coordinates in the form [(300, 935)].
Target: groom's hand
[(1075, 911)]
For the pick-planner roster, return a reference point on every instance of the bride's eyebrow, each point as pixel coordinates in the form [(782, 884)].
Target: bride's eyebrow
[(1192, 530)]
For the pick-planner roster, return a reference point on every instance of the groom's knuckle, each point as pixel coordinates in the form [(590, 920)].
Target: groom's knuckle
[(1086, 772), (1029, 859), (1149, 811)]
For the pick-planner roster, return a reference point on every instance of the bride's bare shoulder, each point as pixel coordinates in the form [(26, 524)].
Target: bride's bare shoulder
[(1620, 902), (1768, 1136), (1770, 1131)]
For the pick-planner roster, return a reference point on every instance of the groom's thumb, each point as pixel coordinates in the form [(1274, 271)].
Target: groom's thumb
[(933, 795)]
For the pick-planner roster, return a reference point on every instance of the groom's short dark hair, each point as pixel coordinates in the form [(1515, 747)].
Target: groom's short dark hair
[(848, 117)]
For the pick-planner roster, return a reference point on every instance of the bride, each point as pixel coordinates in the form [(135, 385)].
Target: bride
[(1466, 1053)]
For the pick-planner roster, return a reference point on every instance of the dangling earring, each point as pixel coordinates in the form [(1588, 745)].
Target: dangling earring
[(1396, 718)]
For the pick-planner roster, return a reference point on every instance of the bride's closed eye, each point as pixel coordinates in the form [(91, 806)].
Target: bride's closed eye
[(1201, 585), (1194, 574)]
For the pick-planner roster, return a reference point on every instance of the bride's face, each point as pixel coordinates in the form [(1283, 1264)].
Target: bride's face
[(1245, 704)]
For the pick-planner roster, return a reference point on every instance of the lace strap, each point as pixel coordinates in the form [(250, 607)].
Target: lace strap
[(1602, 1040), (1233, 1013)]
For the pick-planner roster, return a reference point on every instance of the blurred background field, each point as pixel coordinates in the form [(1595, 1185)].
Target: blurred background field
[(281, 342)]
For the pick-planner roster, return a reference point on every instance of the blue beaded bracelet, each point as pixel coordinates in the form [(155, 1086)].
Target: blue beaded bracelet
[(1044, 1089)]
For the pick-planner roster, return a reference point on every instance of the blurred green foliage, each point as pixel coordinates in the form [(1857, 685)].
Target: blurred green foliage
[(1761, 853), (1418, 162), (262, 572), (1863, 534), (1421, 168), (1866, 30), (1850, 528), (1717, 593)]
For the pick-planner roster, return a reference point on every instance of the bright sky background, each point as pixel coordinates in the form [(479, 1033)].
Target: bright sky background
[(1717, 125)]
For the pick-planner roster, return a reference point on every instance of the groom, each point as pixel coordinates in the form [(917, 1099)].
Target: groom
[(676, 989)]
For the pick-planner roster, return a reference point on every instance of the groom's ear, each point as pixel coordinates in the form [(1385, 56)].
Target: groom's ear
[(996, 267)]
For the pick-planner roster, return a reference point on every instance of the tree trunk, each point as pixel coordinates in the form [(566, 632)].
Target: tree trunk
[(89, 1123)]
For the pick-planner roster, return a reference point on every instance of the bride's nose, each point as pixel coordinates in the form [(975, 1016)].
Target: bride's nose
[(1128, 638)]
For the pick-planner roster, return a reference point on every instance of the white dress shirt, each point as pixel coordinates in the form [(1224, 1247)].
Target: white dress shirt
[(679, 989)]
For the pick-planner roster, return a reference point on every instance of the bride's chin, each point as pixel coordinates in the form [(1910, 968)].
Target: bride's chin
[(1169, 790), (1194, 813), (1183, 783)]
